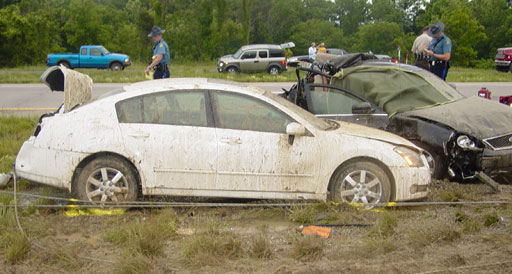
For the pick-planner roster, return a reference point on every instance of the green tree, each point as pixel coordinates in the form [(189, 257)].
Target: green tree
[(322, 31), (380, 37)]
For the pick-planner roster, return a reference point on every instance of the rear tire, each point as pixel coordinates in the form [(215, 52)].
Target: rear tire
[(106, 179), (361, 182), (64, 63), (274, 70)]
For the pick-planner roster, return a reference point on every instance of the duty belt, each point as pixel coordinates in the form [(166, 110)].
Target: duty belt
[(420, 57), (439, 62)]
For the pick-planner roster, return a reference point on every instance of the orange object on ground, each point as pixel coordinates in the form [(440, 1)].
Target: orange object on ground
[(323, 232)]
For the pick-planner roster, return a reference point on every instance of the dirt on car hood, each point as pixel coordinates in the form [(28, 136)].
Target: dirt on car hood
[(475, 116), (371, 133)]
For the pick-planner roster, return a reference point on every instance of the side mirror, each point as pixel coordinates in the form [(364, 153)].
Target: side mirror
[(363, 108), (295, 129)]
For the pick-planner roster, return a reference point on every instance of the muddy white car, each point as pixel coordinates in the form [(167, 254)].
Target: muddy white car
[(204, 137)]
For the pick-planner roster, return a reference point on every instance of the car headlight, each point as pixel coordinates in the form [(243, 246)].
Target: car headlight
[(126, 60), (412, 158), (465, 142)]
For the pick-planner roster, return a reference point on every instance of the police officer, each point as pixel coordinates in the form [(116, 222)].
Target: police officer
[(420, 44), (439, 50), (161, 57)]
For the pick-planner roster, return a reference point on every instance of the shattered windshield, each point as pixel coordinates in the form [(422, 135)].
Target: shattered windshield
[(396, 88), (309, 117)]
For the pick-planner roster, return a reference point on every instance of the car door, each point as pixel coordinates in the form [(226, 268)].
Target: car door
[(254, 150), (85, 58), (336, 103), (171, 136), (262, 61), (248, 61)]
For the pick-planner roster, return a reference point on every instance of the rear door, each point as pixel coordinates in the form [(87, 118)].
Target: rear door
[(254, 153), (171, 136), (262, 61)]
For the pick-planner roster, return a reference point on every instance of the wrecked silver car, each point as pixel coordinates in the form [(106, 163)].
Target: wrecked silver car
[(465, 137), (211, 138)]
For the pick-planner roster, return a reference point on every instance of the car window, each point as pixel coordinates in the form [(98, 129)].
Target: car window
[(249, 55), (104, 50), (276, 53), (332, 101), (263, 54), (95, 52), (236, 111), (185, 108), (83, 51)]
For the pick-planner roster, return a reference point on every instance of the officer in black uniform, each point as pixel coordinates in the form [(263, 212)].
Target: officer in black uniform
[(439, 50), (161, 57)]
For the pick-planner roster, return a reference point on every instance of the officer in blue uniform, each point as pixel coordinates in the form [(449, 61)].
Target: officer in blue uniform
[(161, 57), (439, 50)]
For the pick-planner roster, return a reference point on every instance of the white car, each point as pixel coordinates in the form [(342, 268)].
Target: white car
[(205, 137)]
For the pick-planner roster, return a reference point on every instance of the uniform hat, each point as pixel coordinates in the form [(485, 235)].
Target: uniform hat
[(155, 31), (435, 29)]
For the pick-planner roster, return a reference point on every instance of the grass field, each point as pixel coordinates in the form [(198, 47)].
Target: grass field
[(426, 239), (135, 73)]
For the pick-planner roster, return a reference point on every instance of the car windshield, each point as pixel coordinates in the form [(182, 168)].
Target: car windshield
[(104, 50), (396, 88), (309, 117), (237, 53)]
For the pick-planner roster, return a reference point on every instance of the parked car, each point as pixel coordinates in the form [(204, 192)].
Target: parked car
[(255, 58), (335, 51), (465, 137), (331, 51), (90, 57), (206, 137), (503, 59)]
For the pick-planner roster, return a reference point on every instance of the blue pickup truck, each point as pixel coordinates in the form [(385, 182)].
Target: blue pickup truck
[(90, 57)]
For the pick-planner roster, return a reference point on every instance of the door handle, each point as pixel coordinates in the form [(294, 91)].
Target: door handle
[(231, 141), (256, 61)]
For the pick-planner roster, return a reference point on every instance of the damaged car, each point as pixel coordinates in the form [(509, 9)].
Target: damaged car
[(464, 137), (211, 138)]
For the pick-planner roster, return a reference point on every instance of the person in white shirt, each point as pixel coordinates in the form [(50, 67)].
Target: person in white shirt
[(420, 44), (312, 51)]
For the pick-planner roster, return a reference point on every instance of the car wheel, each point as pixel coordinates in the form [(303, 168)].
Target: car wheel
[(274, 70), (232, 70), (361, 182), (116, 67), (65, 64), (106, 179)]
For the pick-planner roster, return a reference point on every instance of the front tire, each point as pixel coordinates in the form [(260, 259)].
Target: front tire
[(106, 180), (232, 70), (361, 182), (116, 67)]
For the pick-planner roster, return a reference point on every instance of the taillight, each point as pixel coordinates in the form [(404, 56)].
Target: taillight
[(283, 62)]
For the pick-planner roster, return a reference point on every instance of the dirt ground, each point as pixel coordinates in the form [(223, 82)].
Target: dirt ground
[(420, 239)]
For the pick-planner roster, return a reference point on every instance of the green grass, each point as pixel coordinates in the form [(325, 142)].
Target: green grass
[(135, 73), (13, 132), (457, 74)]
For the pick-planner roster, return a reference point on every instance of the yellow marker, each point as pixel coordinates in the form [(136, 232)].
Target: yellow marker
[(74, 210)]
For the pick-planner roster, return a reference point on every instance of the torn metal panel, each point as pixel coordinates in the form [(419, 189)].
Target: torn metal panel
[(77, 87)]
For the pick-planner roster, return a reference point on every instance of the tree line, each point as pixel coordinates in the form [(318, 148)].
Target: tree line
[(201, 30)]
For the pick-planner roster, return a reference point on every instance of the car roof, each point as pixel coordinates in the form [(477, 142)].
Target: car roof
[(261, 46), (190, 83)]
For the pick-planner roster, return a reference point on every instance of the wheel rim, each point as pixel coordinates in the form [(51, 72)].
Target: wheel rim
[(274, 70), (116, 67), (106, 185), (361, 186)]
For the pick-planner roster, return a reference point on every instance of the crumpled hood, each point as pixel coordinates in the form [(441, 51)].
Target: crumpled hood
[(474, 116), (371, 133)]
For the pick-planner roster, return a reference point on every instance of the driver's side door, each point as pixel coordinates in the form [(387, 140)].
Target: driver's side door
[(335, 103)]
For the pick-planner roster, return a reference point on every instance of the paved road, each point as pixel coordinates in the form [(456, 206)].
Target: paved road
[(34, 99)]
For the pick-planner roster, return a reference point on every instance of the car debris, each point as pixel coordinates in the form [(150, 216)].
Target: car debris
[(5, 179)]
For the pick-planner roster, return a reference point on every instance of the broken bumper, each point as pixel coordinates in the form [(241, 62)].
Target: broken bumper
[(493, 162)]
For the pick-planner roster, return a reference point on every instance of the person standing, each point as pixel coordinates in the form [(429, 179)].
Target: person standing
[(161, 56), (312, 52), (418, 47), (439, 50), (321, 48)]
